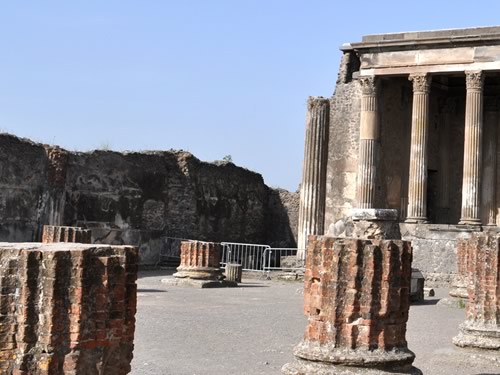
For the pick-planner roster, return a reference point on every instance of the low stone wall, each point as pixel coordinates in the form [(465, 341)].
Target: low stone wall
[(67, 308), (435, 250)]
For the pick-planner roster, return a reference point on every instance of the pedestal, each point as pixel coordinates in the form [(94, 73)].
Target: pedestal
[(371, 223), (200, 266)]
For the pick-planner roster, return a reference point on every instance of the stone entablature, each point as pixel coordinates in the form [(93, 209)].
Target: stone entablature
[(429, 51)]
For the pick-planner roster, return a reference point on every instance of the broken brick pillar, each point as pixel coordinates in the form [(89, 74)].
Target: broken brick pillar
[(459, 283), (199, 260), (55, 233), (481, 328), (67, 308), (357, 297)]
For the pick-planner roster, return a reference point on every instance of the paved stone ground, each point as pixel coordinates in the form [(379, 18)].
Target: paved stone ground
[(251, 330)]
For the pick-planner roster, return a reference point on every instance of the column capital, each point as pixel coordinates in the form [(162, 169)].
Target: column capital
[(421, 82), (474, 80), (317, 101), (368, 85)]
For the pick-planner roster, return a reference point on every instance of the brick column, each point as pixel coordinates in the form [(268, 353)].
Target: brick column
[(313, 186), (481, 328), (472, 148), (356, 296), (368, 143), (67, 308), (54, 233), (417, 183), (460, 281), (489, 165)]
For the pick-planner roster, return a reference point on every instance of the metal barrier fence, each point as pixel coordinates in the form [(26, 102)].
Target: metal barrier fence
[(250, 256), (282, 259)]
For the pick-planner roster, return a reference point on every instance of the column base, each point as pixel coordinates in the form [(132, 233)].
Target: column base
[(304, 367), (481, 336), (469, 221), (199, 273), (313, 351), (459, 291), (374, 214), (416, 220)]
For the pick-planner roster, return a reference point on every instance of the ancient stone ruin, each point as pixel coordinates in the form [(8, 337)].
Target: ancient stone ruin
[(413, 127), (312, 188), (141, 199), (67, 308), (356, 296), (54, 233), (200, 266), (481, 328)]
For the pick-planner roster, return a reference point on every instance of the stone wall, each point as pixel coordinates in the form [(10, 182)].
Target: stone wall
[(343, 143), (138, 198)]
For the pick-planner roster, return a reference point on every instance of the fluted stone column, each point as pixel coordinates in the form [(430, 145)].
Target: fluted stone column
[(472, 148), (417, 184), (488, 180), (313, 186), (369, 133)]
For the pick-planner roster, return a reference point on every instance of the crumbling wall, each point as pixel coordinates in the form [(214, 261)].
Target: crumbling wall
[(23, 182), (135, 198), (283, 218)]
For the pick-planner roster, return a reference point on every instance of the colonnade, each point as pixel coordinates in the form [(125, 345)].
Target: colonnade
[(417, 182)]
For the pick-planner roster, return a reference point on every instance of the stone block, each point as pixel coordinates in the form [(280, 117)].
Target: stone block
[(67, 308), (417, 286), (374, 214)]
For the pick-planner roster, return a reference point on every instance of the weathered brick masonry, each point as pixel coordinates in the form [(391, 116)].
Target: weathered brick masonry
[(357, 299), (200, 260), (67, 308), (54, 233), (482, 325)]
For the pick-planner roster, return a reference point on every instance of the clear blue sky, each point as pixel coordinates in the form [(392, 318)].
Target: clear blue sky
[(212, 77)]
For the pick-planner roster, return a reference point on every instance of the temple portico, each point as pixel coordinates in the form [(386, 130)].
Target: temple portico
[(417, 153), (412, 142)]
